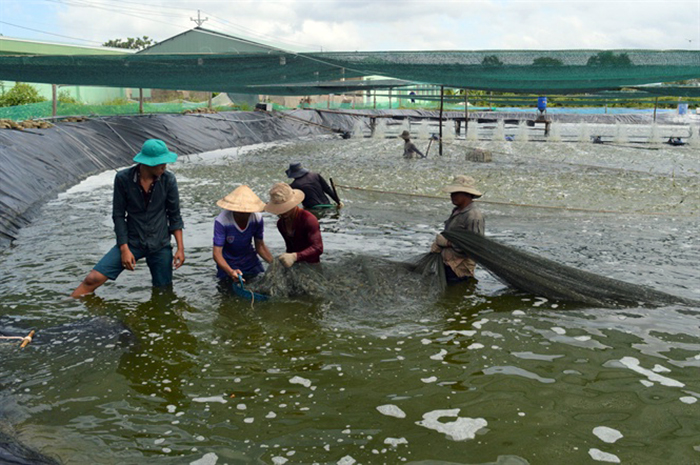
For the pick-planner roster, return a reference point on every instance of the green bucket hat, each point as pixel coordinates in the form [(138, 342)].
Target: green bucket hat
[(154, 152)]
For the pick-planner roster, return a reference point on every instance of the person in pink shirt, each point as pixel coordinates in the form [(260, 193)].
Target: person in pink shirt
[(299, 228)]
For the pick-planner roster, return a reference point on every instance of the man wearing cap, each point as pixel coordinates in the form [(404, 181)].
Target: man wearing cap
[(312, 185), (299, 228), (409, 148), (236, 228), (465, 217), (146, 212)]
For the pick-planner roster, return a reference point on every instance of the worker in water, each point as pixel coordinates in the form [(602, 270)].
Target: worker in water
[(465, 217), (146, 212), (313, 186), (299, 228), (409, 148), (238, 236)]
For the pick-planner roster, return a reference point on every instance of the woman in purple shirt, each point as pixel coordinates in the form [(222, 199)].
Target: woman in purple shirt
[(236, 229)]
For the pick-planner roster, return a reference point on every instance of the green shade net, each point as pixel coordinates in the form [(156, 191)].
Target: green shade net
[(521, 71)]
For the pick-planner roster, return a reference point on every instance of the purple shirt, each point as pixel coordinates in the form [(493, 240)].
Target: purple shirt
[(238, 248), (306, 241)]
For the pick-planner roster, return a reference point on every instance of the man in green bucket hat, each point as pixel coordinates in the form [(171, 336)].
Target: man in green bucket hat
[(146, 212)]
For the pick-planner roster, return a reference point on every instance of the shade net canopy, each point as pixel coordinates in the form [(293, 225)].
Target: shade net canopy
[(522, 71)]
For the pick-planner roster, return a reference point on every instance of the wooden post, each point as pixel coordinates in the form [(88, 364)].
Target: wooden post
[(375, 99), (53, 100), (389, 98), (140, 101), (656, 102), (329, 101), (209, 102), (372, 126), (442, 99)]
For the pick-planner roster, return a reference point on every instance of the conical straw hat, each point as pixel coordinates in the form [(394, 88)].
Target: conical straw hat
[(242, 199)]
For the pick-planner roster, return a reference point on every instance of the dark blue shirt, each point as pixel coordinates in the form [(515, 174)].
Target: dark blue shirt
[(142, 223)]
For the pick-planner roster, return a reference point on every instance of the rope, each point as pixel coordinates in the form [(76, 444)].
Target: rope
[(510, 204)]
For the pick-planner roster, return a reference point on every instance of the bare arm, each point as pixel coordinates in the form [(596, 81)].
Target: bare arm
[(263, 251), (218, 256)]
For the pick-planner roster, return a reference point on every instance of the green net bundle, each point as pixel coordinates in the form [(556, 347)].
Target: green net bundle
[(543, 277)]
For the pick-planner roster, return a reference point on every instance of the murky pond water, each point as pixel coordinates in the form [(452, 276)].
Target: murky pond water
[(390, 373)]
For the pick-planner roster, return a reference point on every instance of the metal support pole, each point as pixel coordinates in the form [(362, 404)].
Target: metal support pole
[(389, 98), (442, 100), (656, 102), (466, 112), (140, 101), (53, 100), (209, 102)]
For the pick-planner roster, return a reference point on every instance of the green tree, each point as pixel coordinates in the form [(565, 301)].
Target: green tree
[(547, 61), (138, 43), (20, 94), (491, 60), (609, 58)]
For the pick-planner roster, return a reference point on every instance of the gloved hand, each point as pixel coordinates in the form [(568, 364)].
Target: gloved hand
[(441, 241), (340, 205), (434, 248), (288, 259)]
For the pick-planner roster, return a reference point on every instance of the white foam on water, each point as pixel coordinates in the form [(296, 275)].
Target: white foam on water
[(218, 399), (391, 411), (511, 370), (347, 460), (475, 346), (207, 459), (279, 460), (480, 323), (432, 379), (633, 364), (534, 356), (440, 355), (248, 420), (518, 313), (467, 333), (299, 380), (394, 442), (241, 406), (426, 341), (660, 369), (271, 415), (606, 434), (600, 456), (559, 330), (689, 399), (90, 184), (459, 430), (646, 383)]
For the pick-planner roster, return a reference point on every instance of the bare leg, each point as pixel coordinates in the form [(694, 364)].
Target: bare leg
[(92, 281)]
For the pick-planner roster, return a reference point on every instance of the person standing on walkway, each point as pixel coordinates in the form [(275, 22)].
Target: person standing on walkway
[(465, 217), (146, 212), (299, 228), (313, 186)]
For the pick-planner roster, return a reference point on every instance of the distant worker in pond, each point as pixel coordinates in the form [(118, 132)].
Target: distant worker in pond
[(146, 212), (314, 187), (409, 148), (238, 236), (465, 217), (299, 228)]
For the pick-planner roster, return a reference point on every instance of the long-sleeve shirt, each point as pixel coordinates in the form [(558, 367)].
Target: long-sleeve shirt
[(306, 240), (411, 151), (140, 223), (466, 219), (315, 189)]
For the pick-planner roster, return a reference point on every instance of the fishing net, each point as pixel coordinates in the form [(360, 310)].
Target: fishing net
[(358, 282), (540, 276)]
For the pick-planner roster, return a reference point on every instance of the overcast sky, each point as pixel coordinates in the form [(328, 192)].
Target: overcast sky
[(347, 25)]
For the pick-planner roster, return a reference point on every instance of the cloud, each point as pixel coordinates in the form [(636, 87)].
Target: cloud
[(384, 24)]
